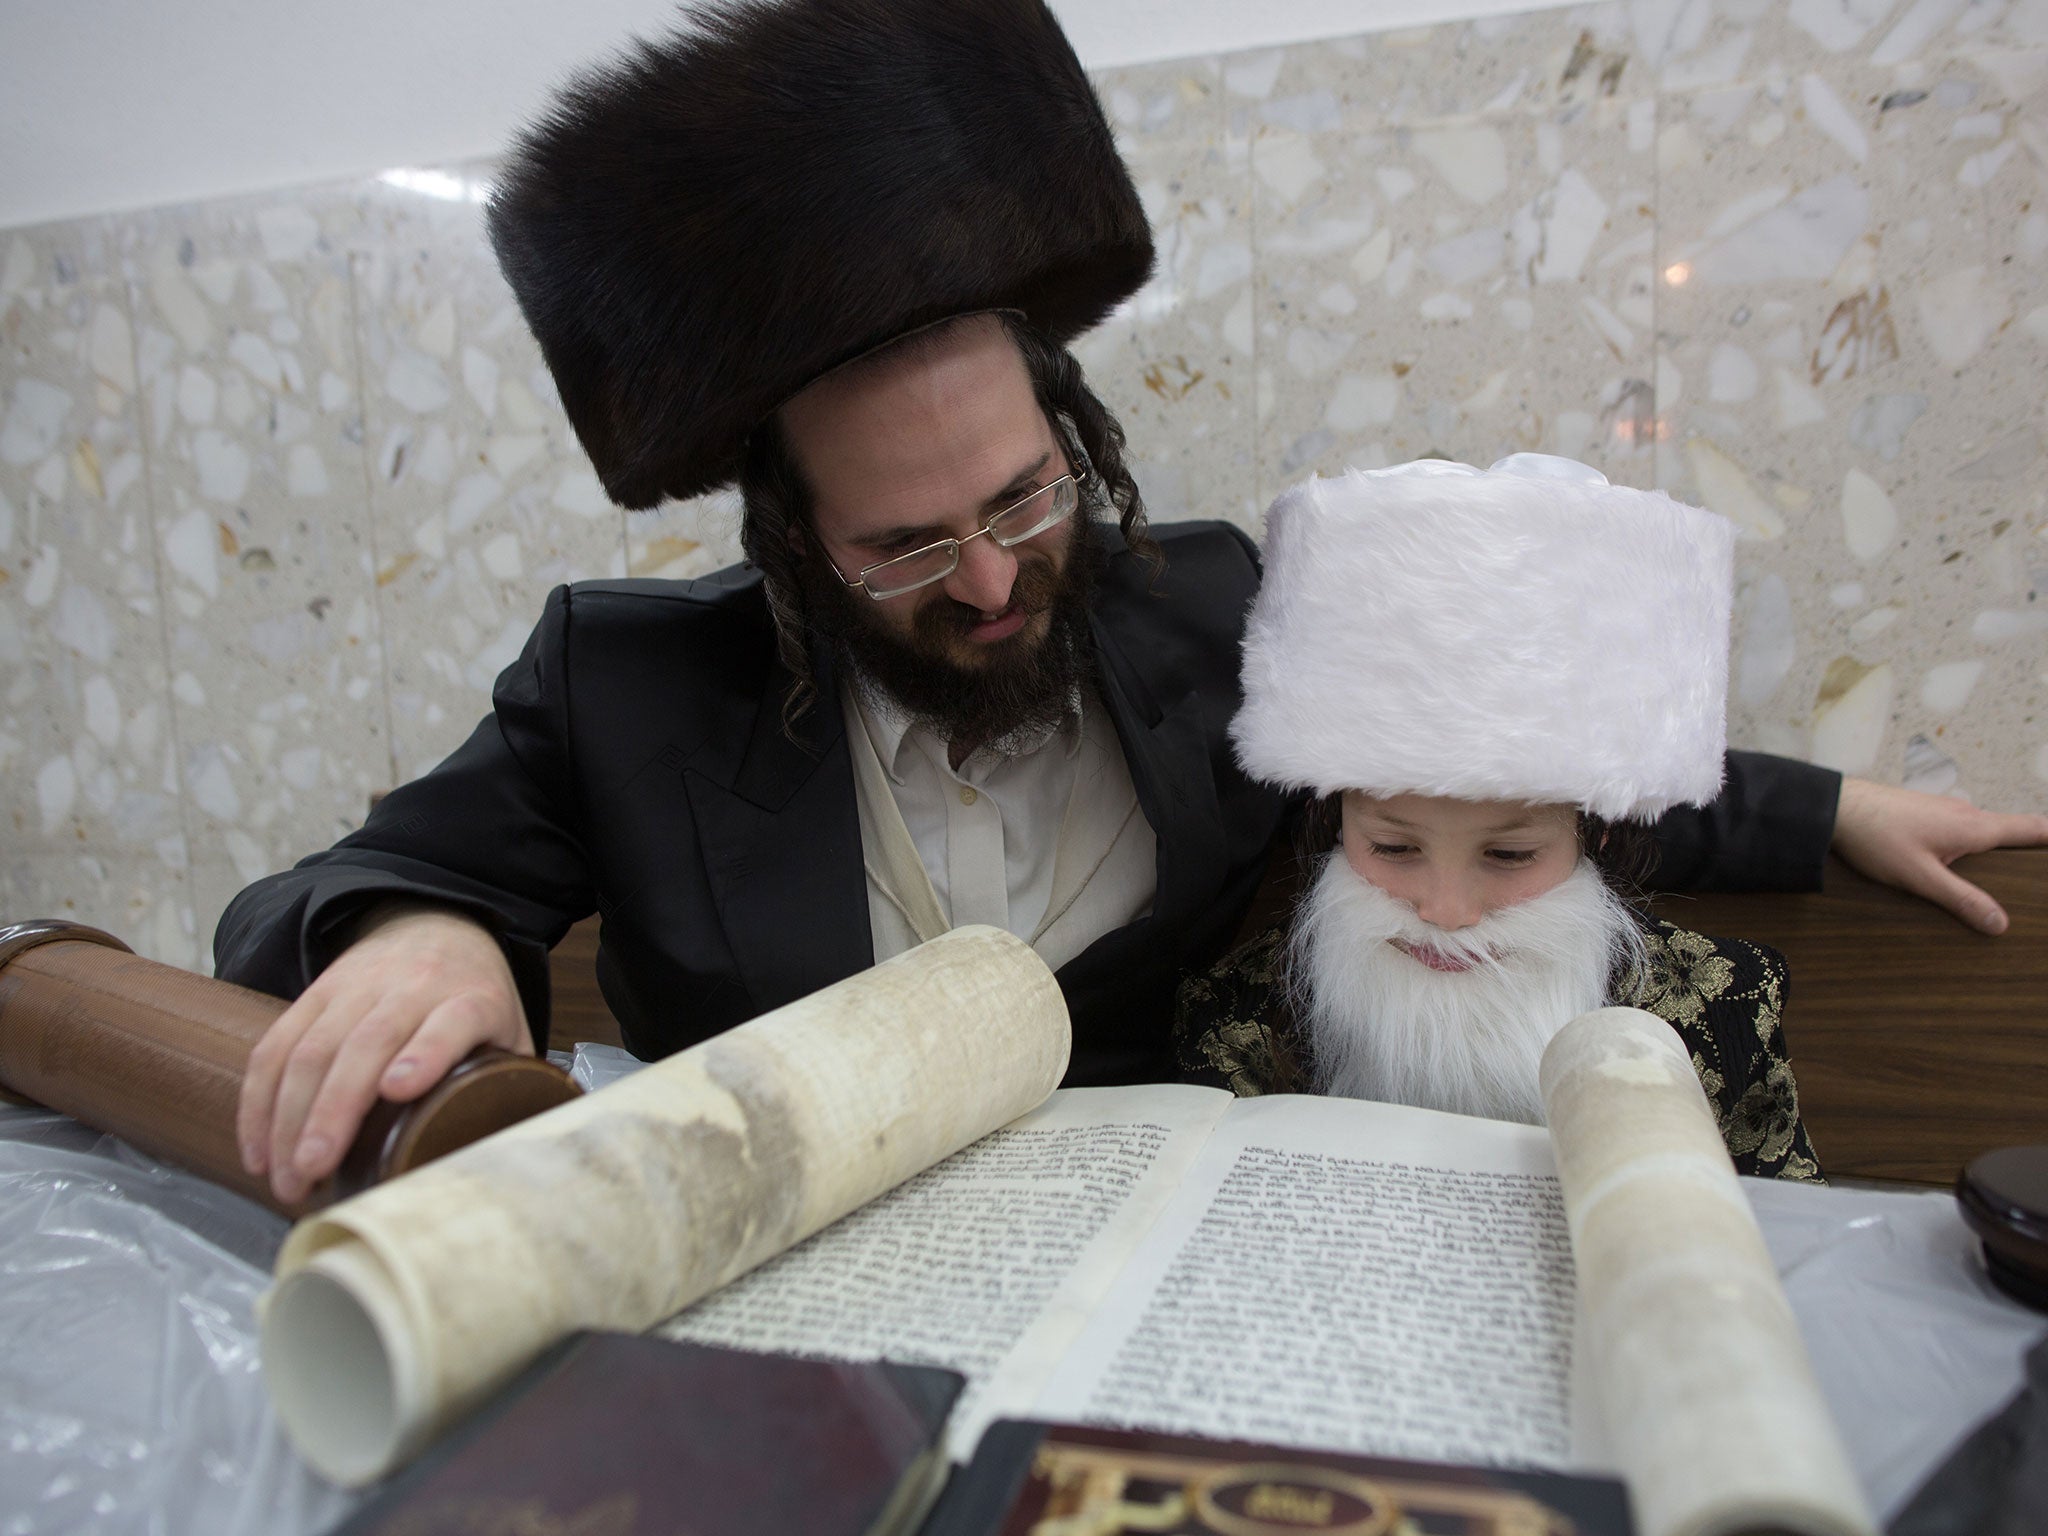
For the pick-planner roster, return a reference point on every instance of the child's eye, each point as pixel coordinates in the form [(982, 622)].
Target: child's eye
[(1512, 856), (1392, 850)]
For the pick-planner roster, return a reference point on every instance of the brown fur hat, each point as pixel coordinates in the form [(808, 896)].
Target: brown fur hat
[(700, 229)]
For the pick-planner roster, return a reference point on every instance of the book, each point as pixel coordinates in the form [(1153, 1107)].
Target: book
[(638, 1436), (1037, 1479)]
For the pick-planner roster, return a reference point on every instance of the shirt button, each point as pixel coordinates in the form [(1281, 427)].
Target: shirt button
[(968, 797)]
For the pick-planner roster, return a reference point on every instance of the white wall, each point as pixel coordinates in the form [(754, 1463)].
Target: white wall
[(108, 105)]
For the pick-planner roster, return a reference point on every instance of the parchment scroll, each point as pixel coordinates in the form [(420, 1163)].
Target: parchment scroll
[(397, 1310), (1711, 1407)]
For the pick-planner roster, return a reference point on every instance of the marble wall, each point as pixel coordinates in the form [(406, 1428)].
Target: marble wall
[(283, 482)]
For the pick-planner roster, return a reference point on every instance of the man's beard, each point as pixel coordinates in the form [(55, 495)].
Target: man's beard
[(1024, 684), (1382, 1025)]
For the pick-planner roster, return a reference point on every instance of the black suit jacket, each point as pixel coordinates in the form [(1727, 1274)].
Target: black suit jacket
[(635, 764)]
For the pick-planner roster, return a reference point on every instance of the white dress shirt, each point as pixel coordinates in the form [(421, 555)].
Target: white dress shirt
[(1043, 837)]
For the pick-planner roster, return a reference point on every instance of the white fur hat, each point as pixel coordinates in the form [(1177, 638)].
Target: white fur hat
[(1526, 633)]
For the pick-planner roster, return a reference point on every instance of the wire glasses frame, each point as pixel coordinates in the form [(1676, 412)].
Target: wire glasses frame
[(1047, 507)]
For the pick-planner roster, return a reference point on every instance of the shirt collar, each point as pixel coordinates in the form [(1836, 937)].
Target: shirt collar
[(890, 727)]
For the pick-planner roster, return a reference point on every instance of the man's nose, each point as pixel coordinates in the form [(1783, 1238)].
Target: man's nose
[(1448, 903), (984, 576)]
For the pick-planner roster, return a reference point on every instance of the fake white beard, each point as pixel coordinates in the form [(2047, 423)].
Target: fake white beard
[(1382, 1025)]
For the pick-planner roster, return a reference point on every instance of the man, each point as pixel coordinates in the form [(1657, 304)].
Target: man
[(734, 772), (1491, 682)]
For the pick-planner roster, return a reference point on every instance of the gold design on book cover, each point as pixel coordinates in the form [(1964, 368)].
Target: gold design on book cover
[(1272, 1500), (1109, 1491)]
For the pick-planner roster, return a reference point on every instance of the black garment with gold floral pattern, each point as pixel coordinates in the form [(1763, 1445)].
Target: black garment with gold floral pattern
[(1725, 997)]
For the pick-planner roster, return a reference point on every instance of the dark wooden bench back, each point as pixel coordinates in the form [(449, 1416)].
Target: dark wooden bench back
[(1917, 1043)]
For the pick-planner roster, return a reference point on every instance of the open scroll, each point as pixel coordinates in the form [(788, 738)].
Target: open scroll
[(1329, 1273), (1310, 1271), (396, 1311)]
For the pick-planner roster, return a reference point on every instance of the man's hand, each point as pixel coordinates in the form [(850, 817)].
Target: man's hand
[(1908, 839), (415, 993)]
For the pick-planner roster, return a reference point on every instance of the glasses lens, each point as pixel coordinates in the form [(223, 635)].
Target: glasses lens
[(1042, 509), (906, 573)]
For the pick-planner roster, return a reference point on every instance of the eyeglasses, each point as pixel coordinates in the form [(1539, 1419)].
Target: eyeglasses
[(1046, 507)]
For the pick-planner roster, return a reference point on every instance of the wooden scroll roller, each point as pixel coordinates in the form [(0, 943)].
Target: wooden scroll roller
[(156, 1056)]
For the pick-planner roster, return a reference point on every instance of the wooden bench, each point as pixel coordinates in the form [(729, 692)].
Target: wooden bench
[(1917, 1043), (576, 1009)]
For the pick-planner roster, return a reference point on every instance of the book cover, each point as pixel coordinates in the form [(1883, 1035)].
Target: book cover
[(614, 1434), (1036, 1479)]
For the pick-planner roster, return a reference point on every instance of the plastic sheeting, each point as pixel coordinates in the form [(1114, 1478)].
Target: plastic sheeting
[(1911, 1342), (131, 1404)]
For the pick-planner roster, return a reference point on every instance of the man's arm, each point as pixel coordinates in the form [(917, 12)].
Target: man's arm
[(421, 936), (1767, 830), (1775, 820)]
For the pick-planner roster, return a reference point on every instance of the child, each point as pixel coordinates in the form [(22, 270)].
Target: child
[(1492, 680)]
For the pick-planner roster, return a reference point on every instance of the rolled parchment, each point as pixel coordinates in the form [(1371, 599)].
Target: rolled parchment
[(395, 1312), (1710, 1403)]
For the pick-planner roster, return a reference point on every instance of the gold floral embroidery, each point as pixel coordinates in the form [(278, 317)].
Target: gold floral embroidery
[(1802, 1168), (1765, 1119), (1770, 1003), (1240, 1051), (1686, 973), (1223, 1022), (1710, 1080)]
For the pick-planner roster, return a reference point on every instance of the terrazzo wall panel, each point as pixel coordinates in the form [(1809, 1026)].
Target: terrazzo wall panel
[(248, 373), (481, 499), (89, 771), (1455, 236), (1176, 364), (283, 483)]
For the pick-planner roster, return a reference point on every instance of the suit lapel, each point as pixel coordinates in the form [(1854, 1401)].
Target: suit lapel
[(782, 853), (1168, 754)]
